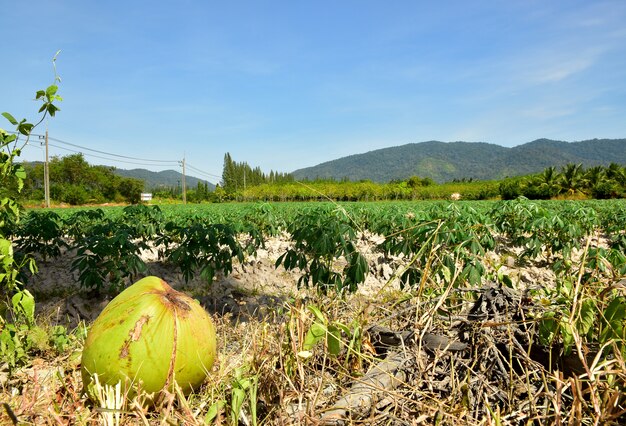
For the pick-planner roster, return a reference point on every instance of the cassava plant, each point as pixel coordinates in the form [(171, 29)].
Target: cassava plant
[(207, 247), (108, 255), (41, 233), (321, 237)]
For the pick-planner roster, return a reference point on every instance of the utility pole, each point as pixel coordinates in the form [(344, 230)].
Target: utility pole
[(46, 176), (184, 186)]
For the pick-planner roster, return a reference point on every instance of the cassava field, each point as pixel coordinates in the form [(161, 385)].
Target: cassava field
[(398, 313)]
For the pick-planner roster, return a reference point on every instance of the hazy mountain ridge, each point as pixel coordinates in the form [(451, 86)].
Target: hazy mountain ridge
[(163, 179), (446, 161)]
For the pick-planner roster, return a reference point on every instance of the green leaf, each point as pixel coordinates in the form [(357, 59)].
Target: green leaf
[(613, 324), (238, 396), (52, 109), (548, 327), (244, 383), (25, 128), (213, 411), (587, 316), (6, 138), (52, 90), (506, 280), (473, 274), (20, 172), (567, 334), (318, 313), (316, 333), (333, 340), (24, 302), (9, 117)]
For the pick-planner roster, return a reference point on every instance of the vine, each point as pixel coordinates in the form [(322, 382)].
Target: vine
[(16, 303)]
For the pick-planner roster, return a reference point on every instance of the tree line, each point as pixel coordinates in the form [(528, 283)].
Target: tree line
[(572, 180), (238, 176), (74, 181)]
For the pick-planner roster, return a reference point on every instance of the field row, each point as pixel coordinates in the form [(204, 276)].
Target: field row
[(206, 239)]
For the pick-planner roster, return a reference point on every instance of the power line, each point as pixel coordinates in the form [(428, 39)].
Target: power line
[(30, 145), (168, 162), (108, 153), (202, 171), (171, 163), (116, 157), (195, 169)]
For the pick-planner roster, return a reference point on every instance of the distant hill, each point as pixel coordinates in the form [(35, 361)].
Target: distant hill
[(164, 179), (446, 161)]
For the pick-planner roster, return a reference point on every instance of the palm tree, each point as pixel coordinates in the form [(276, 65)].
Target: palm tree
[(617, 173), (594, 176), (570, 179), (548, 181)]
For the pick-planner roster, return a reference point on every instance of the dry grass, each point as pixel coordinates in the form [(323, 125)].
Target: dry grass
[(263, 376), (267, 372)]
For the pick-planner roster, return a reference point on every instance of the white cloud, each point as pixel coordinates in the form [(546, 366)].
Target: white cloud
[(554, 70), (547, 112)]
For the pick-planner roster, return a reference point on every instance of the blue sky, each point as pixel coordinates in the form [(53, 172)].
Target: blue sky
[(289, 84)]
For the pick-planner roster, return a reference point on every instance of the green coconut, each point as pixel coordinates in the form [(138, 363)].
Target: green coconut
[(152, 335)]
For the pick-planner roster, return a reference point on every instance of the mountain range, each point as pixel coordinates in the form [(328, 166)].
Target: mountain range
[(440, 161), (162, 180), (446, 161)]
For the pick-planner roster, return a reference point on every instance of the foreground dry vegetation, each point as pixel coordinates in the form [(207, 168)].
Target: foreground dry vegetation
[(421, 341)]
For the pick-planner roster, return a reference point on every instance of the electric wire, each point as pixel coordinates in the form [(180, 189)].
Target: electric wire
[(197, 170), (108, 153), (116, 157), (171, 163), (145, 160), (30, 145)]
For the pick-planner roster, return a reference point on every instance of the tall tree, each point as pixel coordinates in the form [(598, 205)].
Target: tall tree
[(548, 181), (240, 176), (593, 176), (570, 178), (229, 179), (617, 173)]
